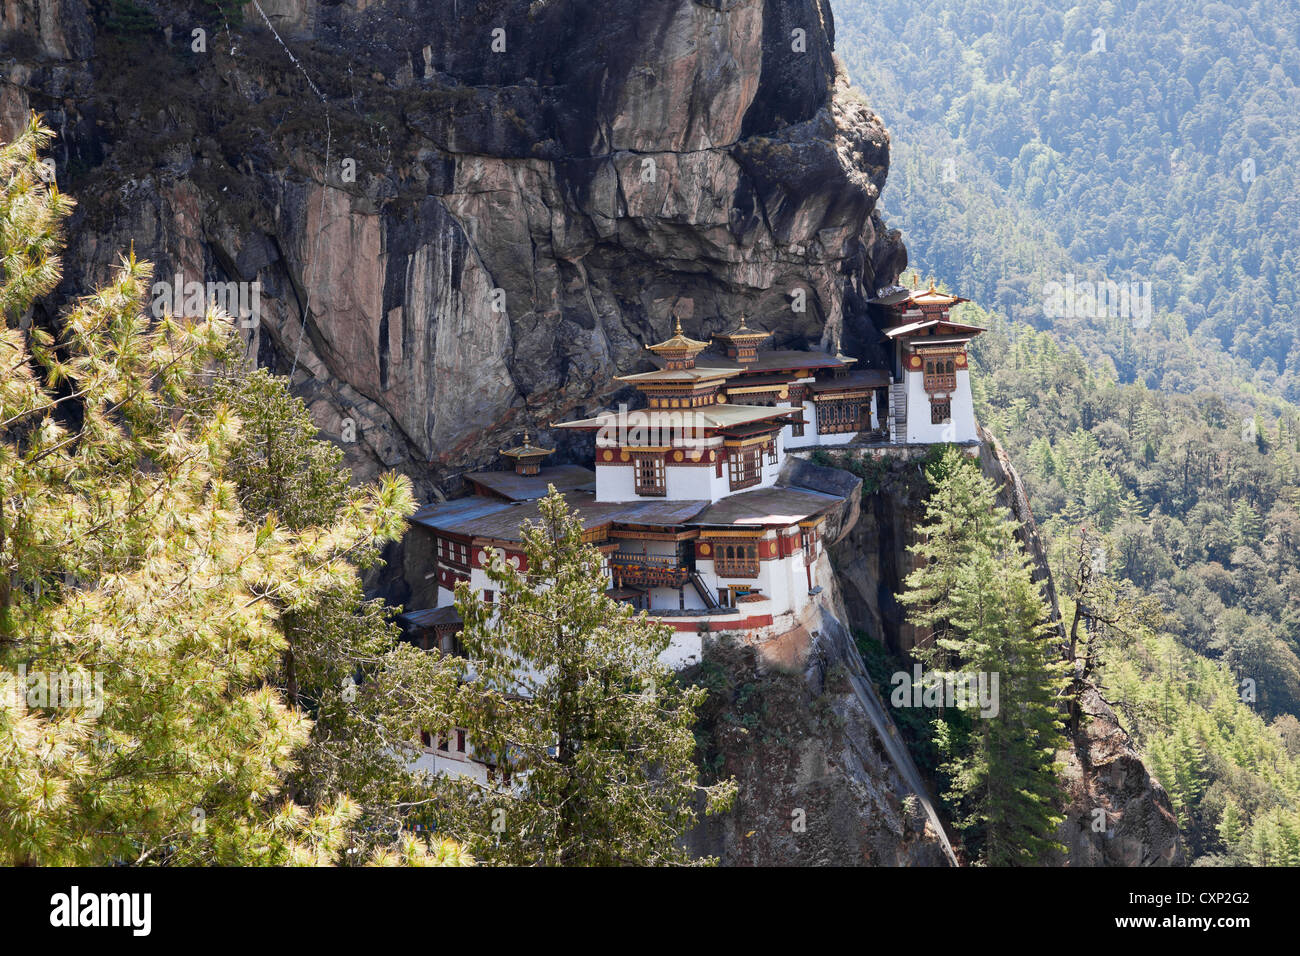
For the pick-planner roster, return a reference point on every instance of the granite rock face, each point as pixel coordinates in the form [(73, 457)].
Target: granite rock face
[(466, 217), (825, 779)]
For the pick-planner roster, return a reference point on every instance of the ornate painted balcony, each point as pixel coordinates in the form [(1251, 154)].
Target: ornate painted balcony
[(649, 571)]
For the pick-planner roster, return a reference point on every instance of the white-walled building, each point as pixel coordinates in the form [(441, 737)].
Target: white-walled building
[(685, 500), (930, 399)]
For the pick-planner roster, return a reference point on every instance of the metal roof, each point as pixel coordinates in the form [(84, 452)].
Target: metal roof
[(449, 514), (687, 375), (912, 328), (517, 487), (862, 378), (766, 506), (501, 520), (431, 617), (772, 360)]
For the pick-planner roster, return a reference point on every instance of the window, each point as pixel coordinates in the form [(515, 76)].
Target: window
[(489, 596), (736, 559), (796, 430), (808, 540), (649, 474), (940, 374), (771, 451), (454, 552), (940, 413), (745, 466), (840, 415)]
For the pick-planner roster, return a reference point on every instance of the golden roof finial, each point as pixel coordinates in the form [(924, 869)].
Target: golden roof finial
[(915, 277), (677, 329), (931, 283)]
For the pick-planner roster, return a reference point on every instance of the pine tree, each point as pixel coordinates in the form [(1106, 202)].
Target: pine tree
[(566, 691), (1230, 828), (976, 586), (961, 521), (369, 693), (131, 579), (1246, 524)]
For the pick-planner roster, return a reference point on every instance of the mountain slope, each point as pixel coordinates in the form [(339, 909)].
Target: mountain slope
[(1151, 141)]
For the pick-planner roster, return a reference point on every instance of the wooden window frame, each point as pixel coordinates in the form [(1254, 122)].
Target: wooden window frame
[(745, 467), (736, 558), (941, 412), (944, 379), (841, 416), (657, 484)]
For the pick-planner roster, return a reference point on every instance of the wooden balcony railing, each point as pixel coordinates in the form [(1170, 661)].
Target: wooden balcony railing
[(647, 570), (735, 568)]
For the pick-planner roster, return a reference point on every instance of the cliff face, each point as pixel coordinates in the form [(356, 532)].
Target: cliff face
[(825, 778), (508, 195)]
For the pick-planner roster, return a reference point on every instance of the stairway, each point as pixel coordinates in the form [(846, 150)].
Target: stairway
[(706, 594), (898, 412)]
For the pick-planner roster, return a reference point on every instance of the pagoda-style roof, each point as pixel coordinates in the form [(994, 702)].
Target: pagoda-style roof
[(934, 299), (683, 376), (527, 456), (904, 299), (741, 335), (741, 343), (527, 450), (933, 327), (679, 349)]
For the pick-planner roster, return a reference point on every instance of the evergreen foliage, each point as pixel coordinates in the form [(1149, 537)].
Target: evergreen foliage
[(590, 733), (1147, 142), (140, 609), (974, 594), (1193, 609)]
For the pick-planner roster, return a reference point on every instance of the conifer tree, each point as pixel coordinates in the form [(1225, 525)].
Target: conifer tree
[(1246, 525), (369, 694), (975, 591), (130, 581), (566, 693)]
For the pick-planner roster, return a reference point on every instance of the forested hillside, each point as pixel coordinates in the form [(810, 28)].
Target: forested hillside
[(1138, 142), (1189, 508), (1154, 142)]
